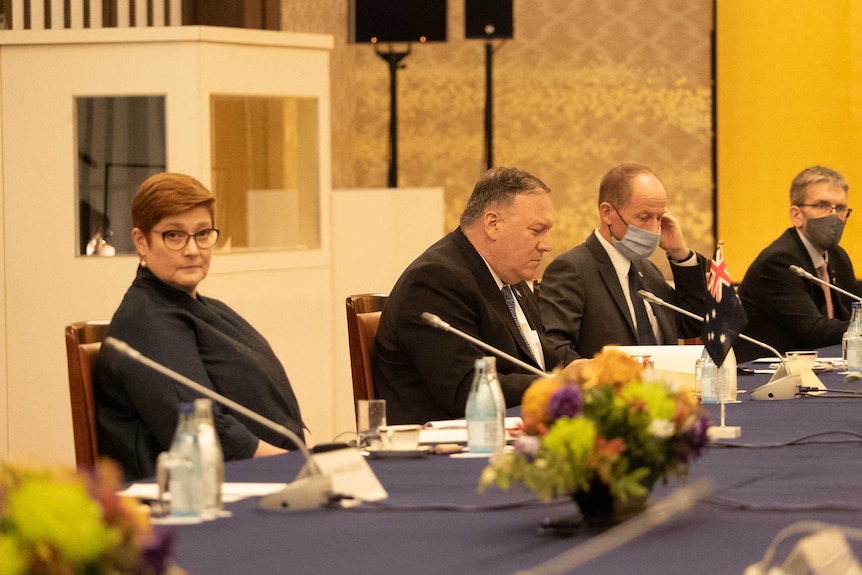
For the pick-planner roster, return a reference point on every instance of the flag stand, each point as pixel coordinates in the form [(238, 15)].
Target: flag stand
[(723, 431), (723, 322)]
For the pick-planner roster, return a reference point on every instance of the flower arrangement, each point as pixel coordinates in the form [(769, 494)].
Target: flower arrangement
[(601, 424), (57, 521)]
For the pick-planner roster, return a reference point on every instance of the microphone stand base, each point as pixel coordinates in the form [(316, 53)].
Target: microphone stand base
[(787, 381), (306, 492), (786, 387)]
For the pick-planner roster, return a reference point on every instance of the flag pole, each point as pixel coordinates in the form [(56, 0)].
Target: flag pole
[(723, 431)]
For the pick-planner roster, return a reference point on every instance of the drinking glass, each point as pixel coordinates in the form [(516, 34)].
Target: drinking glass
[(371, 415)]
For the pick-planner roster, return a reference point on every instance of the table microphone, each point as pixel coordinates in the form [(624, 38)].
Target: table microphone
[(310, 489), (782, 385), (434, 320), (809, 276)]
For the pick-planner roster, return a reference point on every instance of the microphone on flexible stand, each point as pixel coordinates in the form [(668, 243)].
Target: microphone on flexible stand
[(809, 276), (310, 489), (435, 321), (784, 383)]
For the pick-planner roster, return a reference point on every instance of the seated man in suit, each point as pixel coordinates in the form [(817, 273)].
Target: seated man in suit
[(784, 310), (425, 373), (589, 294)]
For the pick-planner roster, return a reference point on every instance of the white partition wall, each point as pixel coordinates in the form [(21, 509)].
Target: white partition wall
[(377, 233), (286, 294)]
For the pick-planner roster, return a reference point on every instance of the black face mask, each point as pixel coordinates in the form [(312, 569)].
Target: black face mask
[(825, 233)]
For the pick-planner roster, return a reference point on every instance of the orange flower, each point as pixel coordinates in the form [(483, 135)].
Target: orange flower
[(686, 405), (534, 404), (610, 367), (605, 455)]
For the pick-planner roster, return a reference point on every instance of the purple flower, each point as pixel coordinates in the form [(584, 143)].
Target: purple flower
[(566, 402), (528, 445), (696, 436), (157, 556)]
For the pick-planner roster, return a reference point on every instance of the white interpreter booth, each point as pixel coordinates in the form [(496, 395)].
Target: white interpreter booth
[(290, 286)]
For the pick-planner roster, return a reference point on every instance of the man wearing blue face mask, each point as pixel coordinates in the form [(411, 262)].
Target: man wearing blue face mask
[(588, 298), (783, 309)]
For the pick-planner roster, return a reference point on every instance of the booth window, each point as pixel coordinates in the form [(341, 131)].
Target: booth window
[(265, 172), (121, 142)]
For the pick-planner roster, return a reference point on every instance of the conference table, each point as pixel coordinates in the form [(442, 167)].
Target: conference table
[(796, 460)]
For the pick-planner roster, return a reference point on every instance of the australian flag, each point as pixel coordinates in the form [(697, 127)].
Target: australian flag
[(725, 317)]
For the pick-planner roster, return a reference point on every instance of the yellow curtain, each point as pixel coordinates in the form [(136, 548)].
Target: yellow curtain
[(789, 76)]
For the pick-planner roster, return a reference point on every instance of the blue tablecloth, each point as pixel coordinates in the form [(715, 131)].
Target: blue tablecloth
[(762, 485)]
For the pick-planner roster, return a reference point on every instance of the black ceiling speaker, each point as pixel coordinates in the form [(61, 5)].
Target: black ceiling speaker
[(488, 19), (378, 21)]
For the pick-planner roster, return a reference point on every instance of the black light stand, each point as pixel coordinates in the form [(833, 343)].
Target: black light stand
[(489, 105), (489, 20), (394, 59)]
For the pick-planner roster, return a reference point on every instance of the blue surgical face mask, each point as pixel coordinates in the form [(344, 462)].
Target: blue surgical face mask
[(637, 243)]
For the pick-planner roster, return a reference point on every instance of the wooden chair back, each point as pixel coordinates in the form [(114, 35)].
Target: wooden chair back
[(363, 317), (83, 340)]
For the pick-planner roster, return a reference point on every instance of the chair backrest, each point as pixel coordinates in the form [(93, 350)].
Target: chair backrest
[(363, 317), (83, 340)]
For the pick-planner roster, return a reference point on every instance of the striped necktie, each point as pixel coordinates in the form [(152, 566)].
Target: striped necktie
[(510, 301)]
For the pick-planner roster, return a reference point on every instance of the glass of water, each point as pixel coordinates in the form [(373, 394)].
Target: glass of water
[(371, 415)]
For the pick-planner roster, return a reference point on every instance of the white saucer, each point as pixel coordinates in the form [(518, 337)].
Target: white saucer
[(421, 451)]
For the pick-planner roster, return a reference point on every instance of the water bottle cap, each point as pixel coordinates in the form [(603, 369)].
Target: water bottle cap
[(187, 408), (856, 304)]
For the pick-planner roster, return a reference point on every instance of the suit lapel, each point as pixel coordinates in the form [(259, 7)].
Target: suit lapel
[(494, 297), (838, 301), (665, 318), (814, 288), (609, 277), (528, 302), (520, 290)]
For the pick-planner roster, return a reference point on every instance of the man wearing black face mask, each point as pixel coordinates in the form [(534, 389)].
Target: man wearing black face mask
[(783, 309), (588, 297)]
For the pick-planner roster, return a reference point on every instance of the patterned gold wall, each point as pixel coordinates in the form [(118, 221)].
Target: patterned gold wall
[(584, 85)]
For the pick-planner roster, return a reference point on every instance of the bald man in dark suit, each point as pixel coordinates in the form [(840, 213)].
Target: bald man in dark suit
[(589, 294)]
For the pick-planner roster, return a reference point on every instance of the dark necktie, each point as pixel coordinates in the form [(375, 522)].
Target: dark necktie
[(645, 333), (510, 301)]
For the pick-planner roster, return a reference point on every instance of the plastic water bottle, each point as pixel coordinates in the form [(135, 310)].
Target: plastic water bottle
[(212, 460), (499, 401), (481, 412), (709, 382), (185, 483), (851, 342)]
